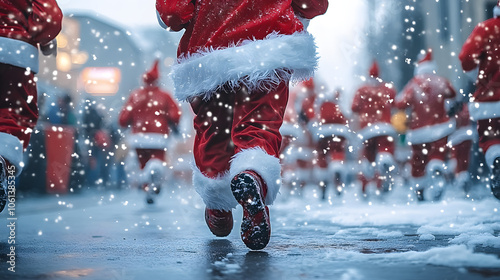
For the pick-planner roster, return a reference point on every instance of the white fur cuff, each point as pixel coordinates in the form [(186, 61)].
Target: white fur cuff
[(267, 166), (215, 192), (11, 149)]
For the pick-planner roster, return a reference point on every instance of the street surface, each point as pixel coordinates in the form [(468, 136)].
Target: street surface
[(113, 234)]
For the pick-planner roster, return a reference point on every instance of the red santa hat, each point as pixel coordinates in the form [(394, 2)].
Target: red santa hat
[(152, 75), (425, 63), (374, 70), (496, 10)]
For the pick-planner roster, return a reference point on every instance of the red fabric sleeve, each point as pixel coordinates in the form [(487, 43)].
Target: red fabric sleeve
[(45, 21), (125, 118), (403, 99), (472, 49), (309, 8), (176, 14), (173, 111)]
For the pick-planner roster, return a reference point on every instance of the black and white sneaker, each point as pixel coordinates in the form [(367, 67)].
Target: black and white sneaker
[(3, 184), (495, 178)]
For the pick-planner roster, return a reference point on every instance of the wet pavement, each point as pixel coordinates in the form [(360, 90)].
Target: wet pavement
[(115, 235)]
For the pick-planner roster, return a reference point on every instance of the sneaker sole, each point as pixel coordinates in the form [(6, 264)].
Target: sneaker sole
[(255, 226)]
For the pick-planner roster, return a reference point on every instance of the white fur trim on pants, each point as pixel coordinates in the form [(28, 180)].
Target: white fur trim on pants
[(434, 165), (386, 158), (291, 129), (328, 130), (461, 135), (339, 167), (267, 166), (154, 166), (491, 154), (484, 110), (254, 63), (377, 129), (420, 183), (11, 149), (430, 133), (148, 141), (215, 192)]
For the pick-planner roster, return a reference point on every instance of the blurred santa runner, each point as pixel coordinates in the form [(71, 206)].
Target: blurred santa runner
[(427, 97), (331, 134), (153, 115), (481, 53), (373, 103)]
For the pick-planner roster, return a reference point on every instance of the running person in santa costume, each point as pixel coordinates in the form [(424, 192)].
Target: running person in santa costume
[(426, 95), (373, 103), (152, 114), (304, 154), (235, 61), (25, 26), (331, 134), (460, 143), (481, 51)]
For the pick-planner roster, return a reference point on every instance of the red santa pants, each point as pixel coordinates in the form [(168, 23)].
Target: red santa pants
[(489, 133), (376, 145), (144, 155), (330, 149), (18, 111), (237, 130), (423, 153), (461, 153)]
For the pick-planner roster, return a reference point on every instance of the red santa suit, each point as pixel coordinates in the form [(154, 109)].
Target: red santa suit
[(460, 142), (151, 113), (291, 133), (373, 103), (25, 25), (331, 134), (481, 51), (427, 96), (234, 65)]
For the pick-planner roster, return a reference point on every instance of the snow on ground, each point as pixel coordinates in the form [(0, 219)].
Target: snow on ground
[(468, 226)]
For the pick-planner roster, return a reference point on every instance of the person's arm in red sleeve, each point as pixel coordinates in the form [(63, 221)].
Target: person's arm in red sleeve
[(45, 22), (174, 112), (472, 50), (125, 117), (309, 8), (175, 14), (402, 100), (392, 96)]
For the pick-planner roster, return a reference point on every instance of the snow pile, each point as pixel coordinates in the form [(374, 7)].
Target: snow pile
[(457, 227)]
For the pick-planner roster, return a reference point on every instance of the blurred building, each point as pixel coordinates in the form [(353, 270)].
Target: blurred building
[(398, 30), (101, 60)]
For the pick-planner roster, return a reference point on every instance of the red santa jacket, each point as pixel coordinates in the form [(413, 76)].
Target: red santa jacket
[(464, 130), (425, 95), (373, 103), (482, 49), (255, 42), (25, 24), (149, 112), (331, 121)]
